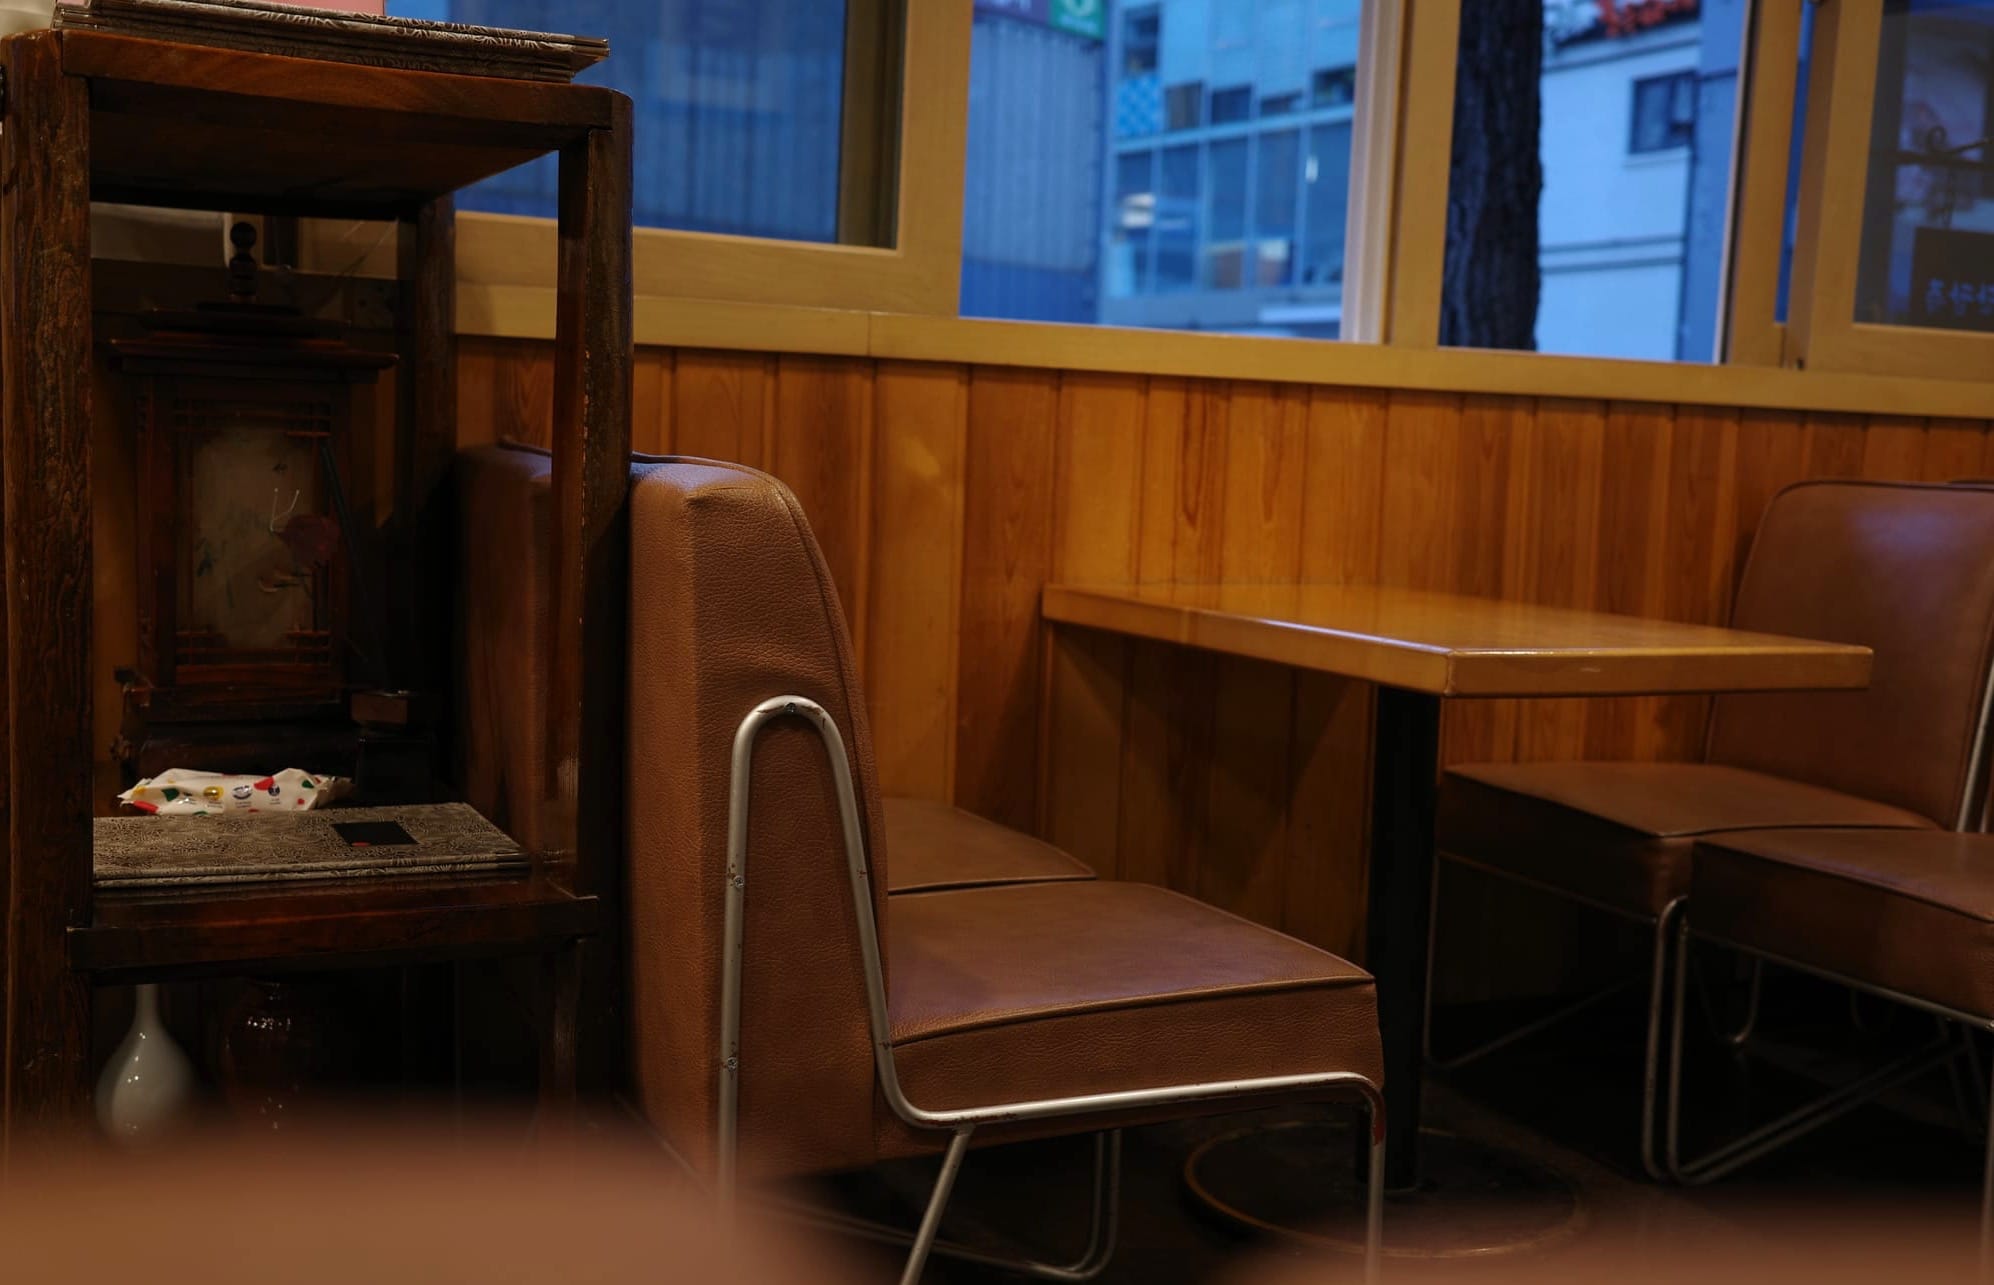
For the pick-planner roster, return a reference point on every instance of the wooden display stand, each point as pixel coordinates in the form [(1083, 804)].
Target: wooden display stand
[(87, 115)]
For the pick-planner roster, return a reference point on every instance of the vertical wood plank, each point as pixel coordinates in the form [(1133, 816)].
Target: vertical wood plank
[(1416, 540), (1834, 445), (1183, 498), (1632, 512), (1266, 445), (720, 405), (1952, 451), (1559, 555), (821, 439), (1699, 549), (1007, 553), (524, 409), (1243, 847), (1097, 514), (1343, 486), (45, 416), (921, 418), (1772, 455), (650, 402), (477, 394), (1893, 449)]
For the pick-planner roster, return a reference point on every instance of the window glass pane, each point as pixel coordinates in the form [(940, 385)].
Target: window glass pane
[(1928, 213), (1225, 248), (1230, 106), (1327, 171), (1276, 192), (1567, 233), (1177, 220), (1126, 271), (739, 108), (1236, 225)]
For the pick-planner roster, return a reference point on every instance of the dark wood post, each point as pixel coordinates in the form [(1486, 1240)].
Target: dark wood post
[(45, 467)]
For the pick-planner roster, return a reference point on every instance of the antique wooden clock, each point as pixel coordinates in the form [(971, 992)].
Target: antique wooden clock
[(253, 610)]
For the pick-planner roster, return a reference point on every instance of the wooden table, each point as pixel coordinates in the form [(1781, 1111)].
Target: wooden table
[(1420, 648)]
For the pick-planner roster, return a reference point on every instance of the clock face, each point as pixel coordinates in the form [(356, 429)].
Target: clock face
[(250, 581)]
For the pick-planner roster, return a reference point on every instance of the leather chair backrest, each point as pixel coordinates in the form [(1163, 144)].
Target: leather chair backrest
[(731, 604), (504, 634), (1907, 570)]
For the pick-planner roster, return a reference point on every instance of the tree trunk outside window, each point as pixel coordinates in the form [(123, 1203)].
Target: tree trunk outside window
[(1490, 283)]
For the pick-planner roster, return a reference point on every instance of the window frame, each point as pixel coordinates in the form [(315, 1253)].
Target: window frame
[(1822, 332), (506, 263)]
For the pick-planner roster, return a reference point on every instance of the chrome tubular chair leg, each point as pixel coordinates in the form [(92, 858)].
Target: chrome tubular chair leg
[(931, 1220), (1803, 1120), (1745, 1029), (1102, 1231), (1515, 1034), (1651, 1063), (1987, 1200), (1374, 1189)]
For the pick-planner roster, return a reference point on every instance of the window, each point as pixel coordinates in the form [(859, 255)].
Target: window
[(1928, 215), (1565, 236), (740, 112), (1142, 33), (1664, 112), (1230, 106), (1236, 225), (1277, 188), (1225, 245), (1177, 220), (1336, 87), (1183, 106)]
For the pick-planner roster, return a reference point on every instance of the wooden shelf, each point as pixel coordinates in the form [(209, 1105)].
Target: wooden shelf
[(295, 136), (158, 933)]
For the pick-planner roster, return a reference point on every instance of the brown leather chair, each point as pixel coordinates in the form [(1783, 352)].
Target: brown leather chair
[(505, 503), (1904, 914), (789, 1018), (1905, 569)]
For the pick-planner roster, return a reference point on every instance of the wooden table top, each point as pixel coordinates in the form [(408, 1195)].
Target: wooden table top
[(1453, 645)]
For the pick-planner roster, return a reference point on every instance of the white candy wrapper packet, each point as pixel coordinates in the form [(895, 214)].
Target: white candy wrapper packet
[(179, 792)]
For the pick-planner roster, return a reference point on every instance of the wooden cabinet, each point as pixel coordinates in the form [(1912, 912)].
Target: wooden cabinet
[(95, 116)]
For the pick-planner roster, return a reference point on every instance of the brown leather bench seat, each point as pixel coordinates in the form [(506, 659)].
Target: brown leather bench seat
[(505, 505), (1620, 834), (1909, 911)]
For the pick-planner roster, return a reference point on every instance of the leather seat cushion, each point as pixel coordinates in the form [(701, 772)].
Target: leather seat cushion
[(935, 846), (1039, 991), (1620, 833), (1912, 911)]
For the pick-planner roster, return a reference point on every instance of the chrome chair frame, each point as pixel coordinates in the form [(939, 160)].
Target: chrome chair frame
[(960, 1123), (1945, 1050), (1661, 925)]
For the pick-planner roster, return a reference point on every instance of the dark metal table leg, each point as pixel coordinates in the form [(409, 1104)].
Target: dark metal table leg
[(1405, 766)]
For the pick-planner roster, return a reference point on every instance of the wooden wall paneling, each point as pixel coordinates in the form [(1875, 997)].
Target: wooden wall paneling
[(1172, 698), (1835, 445), (920, 426), (1096, 523), (1329, 782), (478, 392), (722, 405), (1772, 455), (651, 402), (1893, 449), (1416, 540), (1243, 848), (1487, 553), (1698, 551), (524, 406), (1007, 553), (1952, 450), (821, 447), (1633, 518), (1343, 485), (1558, 556)]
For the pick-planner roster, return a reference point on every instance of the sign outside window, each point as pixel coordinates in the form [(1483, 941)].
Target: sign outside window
[(1952, 279), (1088, 18)]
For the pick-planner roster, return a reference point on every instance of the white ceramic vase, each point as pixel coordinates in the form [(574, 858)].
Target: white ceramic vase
[(146, 1085)]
